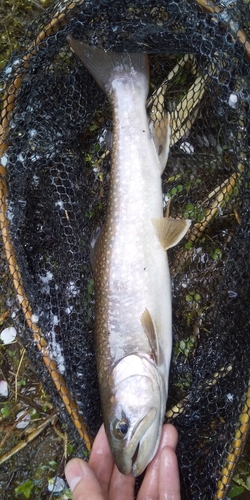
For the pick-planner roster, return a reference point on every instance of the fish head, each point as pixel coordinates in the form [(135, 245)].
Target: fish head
[(135, 413)]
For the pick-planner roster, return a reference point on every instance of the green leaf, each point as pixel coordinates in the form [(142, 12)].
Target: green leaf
[(34, 414), (25, 488), (235, 491), (5, 411), (197, 297), (188, 245), (92, 128), (70, 448), (238, 480), (22, 382), (53, 464), (91, 287), (67, 494), (182, 345), (173, 192), (217, 254)]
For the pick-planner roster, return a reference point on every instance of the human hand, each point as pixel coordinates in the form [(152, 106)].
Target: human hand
[(101, 480)]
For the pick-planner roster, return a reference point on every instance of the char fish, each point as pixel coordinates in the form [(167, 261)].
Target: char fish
[(133, 317)]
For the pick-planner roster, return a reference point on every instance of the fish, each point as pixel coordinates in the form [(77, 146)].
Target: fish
[(133, 313)]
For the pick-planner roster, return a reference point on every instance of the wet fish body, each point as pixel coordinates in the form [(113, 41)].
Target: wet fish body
[(133, 325)]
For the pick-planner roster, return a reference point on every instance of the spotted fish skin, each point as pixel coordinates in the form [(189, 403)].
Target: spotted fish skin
[(133, 325)]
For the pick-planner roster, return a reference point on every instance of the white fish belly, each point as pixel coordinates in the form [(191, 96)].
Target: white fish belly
[(138, 268)]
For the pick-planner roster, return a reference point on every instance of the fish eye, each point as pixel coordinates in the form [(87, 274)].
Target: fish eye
[(121, 428)]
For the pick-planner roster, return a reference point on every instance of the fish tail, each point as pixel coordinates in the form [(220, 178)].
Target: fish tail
[(106, 67)]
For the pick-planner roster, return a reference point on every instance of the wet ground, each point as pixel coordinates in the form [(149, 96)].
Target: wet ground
[(32, 442), (33, 445)]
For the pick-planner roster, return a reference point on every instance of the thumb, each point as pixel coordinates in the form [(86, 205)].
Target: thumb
[(82, 481)]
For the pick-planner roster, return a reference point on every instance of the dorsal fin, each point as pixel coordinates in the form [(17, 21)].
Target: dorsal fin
[(149, 329), (170, 231)]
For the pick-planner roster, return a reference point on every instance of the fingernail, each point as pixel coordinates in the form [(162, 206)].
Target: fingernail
[(73, 482)]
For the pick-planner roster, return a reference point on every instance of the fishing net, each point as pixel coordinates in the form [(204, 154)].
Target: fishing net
[(54, 182)]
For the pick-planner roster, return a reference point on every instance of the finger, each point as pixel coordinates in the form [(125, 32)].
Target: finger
[(101, 460), (82, 481), (114, 484), (169, 482), (121, 486), (150, 485), (169, 436)]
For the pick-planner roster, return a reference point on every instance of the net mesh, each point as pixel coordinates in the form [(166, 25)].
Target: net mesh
[(53, 194)]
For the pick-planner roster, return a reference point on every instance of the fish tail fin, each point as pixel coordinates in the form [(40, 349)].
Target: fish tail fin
[(106, 66)]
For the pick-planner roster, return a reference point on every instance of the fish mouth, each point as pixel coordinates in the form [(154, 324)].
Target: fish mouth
[(144, 423), (137, 462), (134, 457)]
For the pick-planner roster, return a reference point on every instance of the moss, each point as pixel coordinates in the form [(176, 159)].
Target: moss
[(15, 16)]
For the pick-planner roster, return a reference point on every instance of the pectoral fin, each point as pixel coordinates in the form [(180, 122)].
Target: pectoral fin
[(149, 329), (170, 231), (159, 126)]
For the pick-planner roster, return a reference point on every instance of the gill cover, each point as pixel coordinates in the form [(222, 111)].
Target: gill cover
[(134, 421)]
